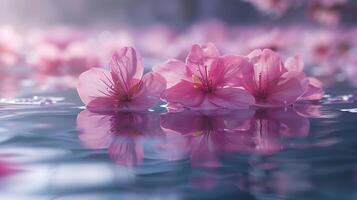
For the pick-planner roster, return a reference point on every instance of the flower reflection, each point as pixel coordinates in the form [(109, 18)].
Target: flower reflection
[(123, 133), (208, 134), (270, 126), (204, 136), (201, 136)]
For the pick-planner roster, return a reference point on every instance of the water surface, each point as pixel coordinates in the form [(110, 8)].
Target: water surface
[(52, 148)]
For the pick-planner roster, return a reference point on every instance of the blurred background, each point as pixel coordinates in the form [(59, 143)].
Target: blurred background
[(177, 13), (46, 44)]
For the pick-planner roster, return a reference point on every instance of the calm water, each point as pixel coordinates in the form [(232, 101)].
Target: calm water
[(58, 150)]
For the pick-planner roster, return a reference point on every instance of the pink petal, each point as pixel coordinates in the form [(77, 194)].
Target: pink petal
[(268, 68), (184, 93), (233, 66), (150, 93), (246, 78), (93, 84), (199, 53), (314, 90), (94, 129), (231, 98), (201, 59), (294, 64), (288, 89), (126, 64), (173, 71)]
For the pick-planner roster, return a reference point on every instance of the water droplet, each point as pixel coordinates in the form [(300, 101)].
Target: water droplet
[(35, 100), (348, 98), (351, 110)]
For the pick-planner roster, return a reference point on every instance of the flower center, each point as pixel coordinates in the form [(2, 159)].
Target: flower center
[(261, 93), (121, 90), (206, 127), (203, 81)]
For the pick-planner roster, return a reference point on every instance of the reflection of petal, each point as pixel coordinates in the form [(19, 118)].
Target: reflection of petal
[(271, 125), (93, 129), (126, 152), (207, 134), (120, 132), (308, 110)]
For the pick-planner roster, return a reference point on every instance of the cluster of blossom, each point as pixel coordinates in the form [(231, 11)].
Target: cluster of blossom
[(64, 51), (326, 12), (206, 80)]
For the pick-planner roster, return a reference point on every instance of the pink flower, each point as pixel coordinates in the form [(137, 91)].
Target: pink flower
[(206, 81), (272, 82), (123, 87), (122, 133)]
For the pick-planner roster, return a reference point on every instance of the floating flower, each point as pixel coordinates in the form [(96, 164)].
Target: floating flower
[(206, 81), (123, 87), (274, 83)]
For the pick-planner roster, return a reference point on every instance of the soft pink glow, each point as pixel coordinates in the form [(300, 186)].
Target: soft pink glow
[(205, 135), (274, 83), (206, 81), (123, 87)]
